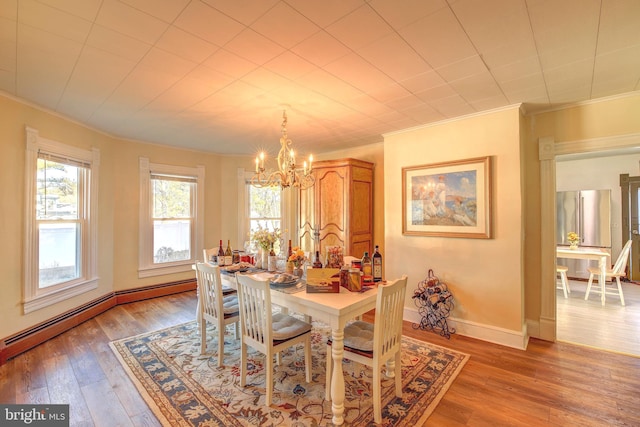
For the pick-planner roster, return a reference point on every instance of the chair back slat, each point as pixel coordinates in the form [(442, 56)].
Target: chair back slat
[(621, 263), (389, 309), (255, 319), (210, 290)]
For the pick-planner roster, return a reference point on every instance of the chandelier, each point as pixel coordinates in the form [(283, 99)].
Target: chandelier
[(287, 175)]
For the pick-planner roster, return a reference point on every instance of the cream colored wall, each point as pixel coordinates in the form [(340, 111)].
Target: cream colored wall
[(118, 206), (485, 275)]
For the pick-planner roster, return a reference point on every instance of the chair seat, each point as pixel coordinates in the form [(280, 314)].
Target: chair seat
[(608, 272), (230, 304), (560, 268), (359, 335), (286, 327), (226, 290)]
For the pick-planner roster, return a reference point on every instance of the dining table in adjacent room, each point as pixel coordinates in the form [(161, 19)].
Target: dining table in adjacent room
[(591, 254), (334, 309)]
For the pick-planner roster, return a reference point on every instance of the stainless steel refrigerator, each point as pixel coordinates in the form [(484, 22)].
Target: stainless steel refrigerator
[(588, 213)]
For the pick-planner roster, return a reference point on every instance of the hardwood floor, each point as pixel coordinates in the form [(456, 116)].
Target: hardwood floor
[(550, 384), (612, 326)]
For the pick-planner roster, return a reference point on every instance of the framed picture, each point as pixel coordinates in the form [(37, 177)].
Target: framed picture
[(450, 199)]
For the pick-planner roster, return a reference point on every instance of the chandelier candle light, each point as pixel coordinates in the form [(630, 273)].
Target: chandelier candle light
[(286, 175)]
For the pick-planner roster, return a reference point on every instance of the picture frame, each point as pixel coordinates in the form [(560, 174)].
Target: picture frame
[(448, 199)]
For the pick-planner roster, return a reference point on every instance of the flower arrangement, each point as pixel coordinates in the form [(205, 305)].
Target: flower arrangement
[(265, 238), (297, 257), (573, 238)]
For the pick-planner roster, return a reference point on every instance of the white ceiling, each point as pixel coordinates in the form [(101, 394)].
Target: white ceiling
[(214, 75)]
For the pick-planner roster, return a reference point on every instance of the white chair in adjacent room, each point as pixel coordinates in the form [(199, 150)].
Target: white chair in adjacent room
[(378, 343), (564, 281), (267, 332), (214, 307), (618, 270)]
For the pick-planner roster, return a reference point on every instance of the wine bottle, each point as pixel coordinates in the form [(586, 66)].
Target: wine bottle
[(317, 263), (271, 262), (228, 254), (221, 255), (377, 265), (367, 269), (289, 251)]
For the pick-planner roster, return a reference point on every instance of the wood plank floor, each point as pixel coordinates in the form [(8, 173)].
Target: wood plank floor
[(612, 326), (550, 384)]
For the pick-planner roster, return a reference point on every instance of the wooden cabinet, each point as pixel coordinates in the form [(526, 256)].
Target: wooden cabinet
[(339, 206)]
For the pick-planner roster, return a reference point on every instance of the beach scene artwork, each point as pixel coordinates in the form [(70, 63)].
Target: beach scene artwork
[(445, 199)]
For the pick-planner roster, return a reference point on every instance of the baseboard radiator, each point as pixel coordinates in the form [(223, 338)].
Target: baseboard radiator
[(31, 337)]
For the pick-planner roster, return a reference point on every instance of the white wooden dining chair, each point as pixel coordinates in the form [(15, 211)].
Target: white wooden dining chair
[(267, 332), (378, 343), (215, 307), (564, 280), (618, 270)]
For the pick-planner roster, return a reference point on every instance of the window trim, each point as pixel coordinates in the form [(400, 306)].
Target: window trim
[(287, 209), (146, 267), (36, 298)]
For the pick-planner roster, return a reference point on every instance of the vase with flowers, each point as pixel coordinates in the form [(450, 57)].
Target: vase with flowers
[(573, 239), (265, 239), (297, 258)]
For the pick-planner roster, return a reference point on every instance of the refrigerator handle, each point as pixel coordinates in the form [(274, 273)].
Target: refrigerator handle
[(581, 219)]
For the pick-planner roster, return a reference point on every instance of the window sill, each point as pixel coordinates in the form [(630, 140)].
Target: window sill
[(164, 270), (62, 294)]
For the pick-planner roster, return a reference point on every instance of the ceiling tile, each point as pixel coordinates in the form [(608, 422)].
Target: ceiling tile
[(44, 65), (389, 92), (465, 67), (478, 86), (290, 65), (423, 81), (358, 73), (165, 10), (130, 22), (167, 63), (249, 44), (116, 43), (294, 29), (453, 106), (360, 28), (51, 20), (400, 15), (244, 11), (619, 25), (438, 92), (327, 84), (7, 44), (9, 9), (439, 39), (208, 23), (393, 56), (185, 45), (85, 9), (325, 12), (229, 64), (83, 94), (265, 79), (320, 49)]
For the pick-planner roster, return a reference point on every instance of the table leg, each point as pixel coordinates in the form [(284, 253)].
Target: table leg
[(337, 377), (603, 276)]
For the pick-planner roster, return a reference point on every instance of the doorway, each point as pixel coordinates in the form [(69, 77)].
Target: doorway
[(587, 322), (630, 186)]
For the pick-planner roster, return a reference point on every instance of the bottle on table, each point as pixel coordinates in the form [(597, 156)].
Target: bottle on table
[(377, 265), (221, 255), (289, 251), (272, 260), (228, 254), (367, 269), (316, 262)]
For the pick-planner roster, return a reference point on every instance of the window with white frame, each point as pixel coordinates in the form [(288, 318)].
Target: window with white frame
[(267, 207), (171, 212), (61, 224)]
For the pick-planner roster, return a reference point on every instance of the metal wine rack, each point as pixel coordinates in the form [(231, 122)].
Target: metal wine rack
[(434, 302)]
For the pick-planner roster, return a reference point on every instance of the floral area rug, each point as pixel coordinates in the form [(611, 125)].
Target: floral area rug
[(184, 388)]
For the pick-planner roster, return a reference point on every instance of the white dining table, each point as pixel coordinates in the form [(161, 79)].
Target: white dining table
[(334, 309), (591, 254)]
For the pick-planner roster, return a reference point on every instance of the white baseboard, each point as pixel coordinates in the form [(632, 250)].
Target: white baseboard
[(506, 337)]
